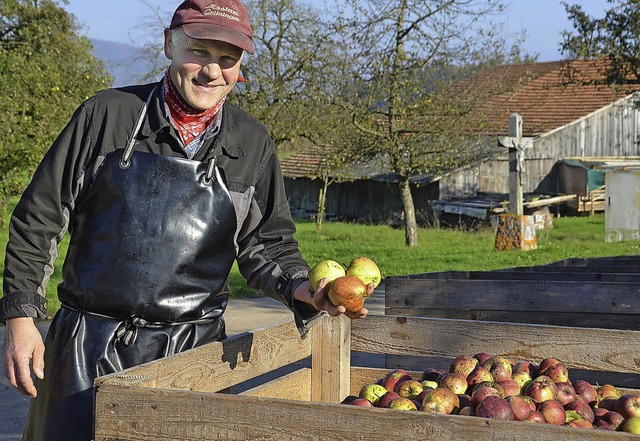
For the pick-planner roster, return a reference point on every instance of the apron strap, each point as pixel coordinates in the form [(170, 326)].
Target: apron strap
[(125, 162)]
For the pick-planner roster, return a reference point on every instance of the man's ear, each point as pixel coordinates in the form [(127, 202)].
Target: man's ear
[(168, 44)]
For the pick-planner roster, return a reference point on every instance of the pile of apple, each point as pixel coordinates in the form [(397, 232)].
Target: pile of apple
[(506, 389), (347, 286)]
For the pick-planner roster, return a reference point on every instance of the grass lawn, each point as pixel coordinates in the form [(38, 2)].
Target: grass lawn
[(437, 250)]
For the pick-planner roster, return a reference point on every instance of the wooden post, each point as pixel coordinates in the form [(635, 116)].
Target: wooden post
[(516, 156), (331, 359)]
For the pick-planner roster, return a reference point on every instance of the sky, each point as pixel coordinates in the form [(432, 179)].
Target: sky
[(120, 20)]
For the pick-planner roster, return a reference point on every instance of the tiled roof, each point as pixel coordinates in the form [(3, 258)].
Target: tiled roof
[(540, 92)]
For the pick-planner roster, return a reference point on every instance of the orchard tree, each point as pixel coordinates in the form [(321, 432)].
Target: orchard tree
[(46, 71), (407, 55), (614, 38)]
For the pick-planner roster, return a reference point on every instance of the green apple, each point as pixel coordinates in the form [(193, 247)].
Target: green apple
[(372, 392), (365, 269), (327, 268), (632, 425)]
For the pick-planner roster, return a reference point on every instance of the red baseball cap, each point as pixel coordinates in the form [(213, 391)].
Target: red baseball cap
[(224, 20)]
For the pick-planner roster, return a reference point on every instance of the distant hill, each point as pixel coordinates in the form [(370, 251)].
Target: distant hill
[(122, 61)]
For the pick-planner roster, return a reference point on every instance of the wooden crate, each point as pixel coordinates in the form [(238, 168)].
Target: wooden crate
[(575, 292), (179, 397)]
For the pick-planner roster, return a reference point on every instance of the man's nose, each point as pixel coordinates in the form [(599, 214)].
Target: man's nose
[(212, 69)]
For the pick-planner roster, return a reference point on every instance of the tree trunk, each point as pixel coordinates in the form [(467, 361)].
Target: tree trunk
[(410, 224), (322, 199)]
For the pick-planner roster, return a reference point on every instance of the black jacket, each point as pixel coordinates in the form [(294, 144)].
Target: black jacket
[(268, 255)]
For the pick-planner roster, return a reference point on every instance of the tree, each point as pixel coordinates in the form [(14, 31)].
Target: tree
[(46, 71), (614, 39), (407, 55)]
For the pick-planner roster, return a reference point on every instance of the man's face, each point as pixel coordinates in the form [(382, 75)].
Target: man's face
[(203, 71)]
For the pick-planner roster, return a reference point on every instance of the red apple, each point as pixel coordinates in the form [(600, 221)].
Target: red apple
[(628, 406), (481, 357), (348, 399), (466, 411), (478, 395), (535, 417), (492, 384), (395, 377), (387, 398), (586, 390), (494, 407), (402, 404), (546, 364), (525, 366), (579, 423), (566, 392), (432, 374), (478, 375), (553, 412), (558, 373), (608, 391), (361, 402), (499, 367), (521, 409), (542, 389), (456, 382), (581, 406), (443, 396), (463, 364), (613, 418), (510, 387), (465, 400)]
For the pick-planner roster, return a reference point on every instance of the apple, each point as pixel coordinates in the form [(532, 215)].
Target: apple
[(608, 391), (432, 374), (558, 373), (402, 403), (510, 387), (364, 269), (443, 396), (522, 378), (553, 412), (478, 395), (499, 367), (478, 375), (433, 407), (492, 384), (463, 364), (566, 392), (466, 411), (613, 418), (481, 357), (581, 406), (361, 402), (541, 389), (546, 363), (525, 366), (348, 291), (429, 384), (456, 382), (586, 390), (372, 392), (628, 406), (574, 419), (329, 269), (598, 413), (535, 417), (348, 399), (521, 409), (632, 425), (494, 407), (409, 389), (395, 377), (387, 398), (465, 400)]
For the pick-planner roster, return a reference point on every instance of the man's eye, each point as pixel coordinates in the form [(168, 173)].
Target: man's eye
[(227, 62)]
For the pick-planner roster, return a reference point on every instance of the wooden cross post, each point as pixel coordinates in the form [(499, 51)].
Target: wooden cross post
[(516, 144)]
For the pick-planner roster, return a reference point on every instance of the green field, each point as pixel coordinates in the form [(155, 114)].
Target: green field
[(438, 249)]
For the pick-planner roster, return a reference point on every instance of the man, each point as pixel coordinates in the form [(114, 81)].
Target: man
[(162, 186)]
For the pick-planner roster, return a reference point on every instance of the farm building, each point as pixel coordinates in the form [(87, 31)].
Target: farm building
[(567, 120)]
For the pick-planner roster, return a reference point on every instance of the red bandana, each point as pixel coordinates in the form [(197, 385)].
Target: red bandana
[(189, 121)]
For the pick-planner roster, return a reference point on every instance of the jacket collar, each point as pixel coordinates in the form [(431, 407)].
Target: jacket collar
[(228, 141)]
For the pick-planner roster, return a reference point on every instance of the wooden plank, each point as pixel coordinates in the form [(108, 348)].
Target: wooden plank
[(295, 386), (578, 348), (600, 269), (534, 296), (219, 365), (559, 318), (596, 261), (139, 414), (330, 362), (518, 274)]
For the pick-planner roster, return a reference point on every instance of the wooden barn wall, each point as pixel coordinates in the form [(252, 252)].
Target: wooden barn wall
[(362, 200), (612, 131)]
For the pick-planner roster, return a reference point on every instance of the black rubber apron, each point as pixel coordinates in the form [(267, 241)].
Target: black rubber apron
[(145, 276)]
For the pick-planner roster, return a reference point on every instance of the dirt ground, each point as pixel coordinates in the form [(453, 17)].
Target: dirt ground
[(241, 316)]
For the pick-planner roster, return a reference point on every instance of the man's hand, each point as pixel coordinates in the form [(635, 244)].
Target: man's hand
[(320, 299), (23, 350)]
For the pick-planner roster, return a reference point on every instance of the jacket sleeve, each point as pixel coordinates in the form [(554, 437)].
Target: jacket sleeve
[(40, 220), (268, 255)]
